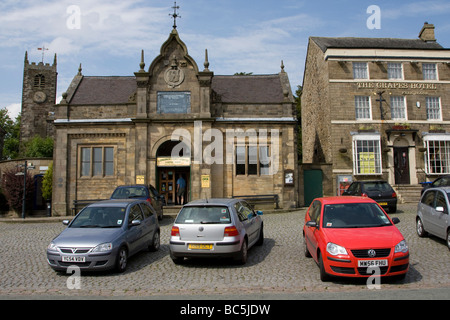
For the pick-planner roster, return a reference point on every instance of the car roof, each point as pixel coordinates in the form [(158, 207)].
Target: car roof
[(443, 188), (213, 201), (345, 199), (116, 202)]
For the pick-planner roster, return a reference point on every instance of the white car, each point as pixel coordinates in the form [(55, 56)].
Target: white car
[(216, 228)]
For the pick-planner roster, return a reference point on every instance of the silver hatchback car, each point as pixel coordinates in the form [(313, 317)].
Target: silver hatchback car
[(433, 214), (104, 234), (216, 228)]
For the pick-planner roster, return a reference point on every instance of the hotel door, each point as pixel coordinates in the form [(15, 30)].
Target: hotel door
[(401, 165)]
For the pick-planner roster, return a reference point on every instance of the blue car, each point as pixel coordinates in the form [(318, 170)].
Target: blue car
[(140, 191), (104, 235)]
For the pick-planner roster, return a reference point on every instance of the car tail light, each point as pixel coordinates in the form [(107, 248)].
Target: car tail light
[(230, 232), (394, 195), (364, 195), (175, 232)]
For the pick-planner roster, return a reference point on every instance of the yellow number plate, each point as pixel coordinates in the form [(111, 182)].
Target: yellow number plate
[(200, 246), (382, 203)]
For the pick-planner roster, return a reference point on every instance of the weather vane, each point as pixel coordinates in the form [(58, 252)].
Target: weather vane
[(175, 15), (43, 52)]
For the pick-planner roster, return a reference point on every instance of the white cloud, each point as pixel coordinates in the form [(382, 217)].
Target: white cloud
[(14, 110)]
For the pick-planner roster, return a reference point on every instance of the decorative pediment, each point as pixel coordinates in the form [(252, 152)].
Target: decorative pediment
[(172, 59)]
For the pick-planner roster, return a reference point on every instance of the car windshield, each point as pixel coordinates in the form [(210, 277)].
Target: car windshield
[(99, 217), (354, 215), (377, 186), (204, 215), (129, 192)]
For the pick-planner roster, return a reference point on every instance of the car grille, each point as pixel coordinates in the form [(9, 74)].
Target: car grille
[(75, 250), (363, 253), (370, 271)]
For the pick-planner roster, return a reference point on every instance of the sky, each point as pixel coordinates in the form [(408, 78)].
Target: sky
[(107, 36)]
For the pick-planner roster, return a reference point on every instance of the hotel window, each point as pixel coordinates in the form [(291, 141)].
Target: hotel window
[(366, 154), (362, 108), (97, 161), (395, 70), (433, 106), (360, 70), (398, 108), (249, 162), (437, 156), (429, 71)]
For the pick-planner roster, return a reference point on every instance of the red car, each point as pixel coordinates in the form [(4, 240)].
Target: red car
[(353, 237)]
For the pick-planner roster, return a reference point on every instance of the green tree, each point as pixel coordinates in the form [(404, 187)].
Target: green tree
[(39, 147), (47, 183), (12, 128)]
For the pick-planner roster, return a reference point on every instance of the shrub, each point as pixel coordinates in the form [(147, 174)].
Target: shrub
[(12, 186)]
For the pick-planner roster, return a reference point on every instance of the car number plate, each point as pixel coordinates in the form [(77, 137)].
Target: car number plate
[(73, 259), (200, 246), (372, 263), (382, 203)]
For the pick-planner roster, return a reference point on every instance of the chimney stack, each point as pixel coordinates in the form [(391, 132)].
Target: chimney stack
[(427, 33)]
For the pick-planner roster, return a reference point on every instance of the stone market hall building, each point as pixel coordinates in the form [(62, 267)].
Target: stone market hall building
[(231, 135), (376, 108)]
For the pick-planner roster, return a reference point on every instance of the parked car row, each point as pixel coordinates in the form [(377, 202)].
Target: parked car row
[(347, 236)]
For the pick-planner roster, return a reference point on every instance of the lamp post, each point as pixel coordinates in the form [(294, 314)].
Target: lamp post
[(24, 173)]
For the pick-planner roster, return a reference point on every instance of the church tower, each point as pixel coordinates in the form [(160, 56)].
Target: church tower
[(38, 99)]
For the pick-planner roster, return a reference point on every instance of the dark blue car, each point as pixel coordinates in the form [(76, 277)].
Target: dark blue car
[(143, 192)]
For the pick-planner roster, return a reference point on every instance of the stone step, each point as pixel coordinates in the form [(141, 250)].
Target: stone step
[(408, 193)]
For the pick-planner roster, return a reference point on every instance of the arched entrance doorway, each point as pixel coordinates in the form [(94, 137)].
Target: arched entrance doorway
[(169, 169)]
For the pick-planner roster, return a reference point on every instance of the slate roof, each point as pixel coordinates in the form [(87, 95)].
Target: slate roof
[(228, 89), (325, 43), (248, 89), (104, 90)]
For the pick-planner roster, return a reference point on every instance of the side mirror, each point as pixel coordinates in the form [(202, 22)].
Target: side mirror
[(311, 223), (135, 223), (440, 209), (395, 220), (66, 222), (259, 213)]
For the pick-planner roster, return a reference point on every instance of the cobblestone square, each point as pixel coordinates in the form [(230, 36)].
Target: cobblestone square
[(278, 267)]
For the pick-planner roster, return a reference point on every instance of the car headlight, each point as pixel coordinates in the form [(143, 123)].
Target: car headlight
[(335, 249), (103, 247), (401, 247), (52, 247)]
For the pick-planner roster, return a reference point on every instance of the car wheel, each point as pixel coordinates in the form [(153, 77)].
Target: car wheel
[(305, 248), (156, 242), (448, 239), (176, 260), (323, 275), (122, 260), (261, 236), (242, 258), (420, 229)]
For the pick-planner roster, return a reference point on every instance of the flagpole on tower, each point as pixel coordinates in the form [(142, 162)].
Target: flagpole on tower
[(43, 52)]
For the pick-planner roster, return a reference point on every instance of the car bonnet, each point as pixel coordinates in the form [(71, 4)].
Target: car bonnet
[(86, 237), (375, 237)]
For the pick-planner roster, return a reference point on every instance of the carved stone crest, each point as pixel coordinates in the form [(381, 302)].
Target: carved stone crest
[(174, 76)]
